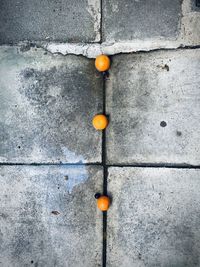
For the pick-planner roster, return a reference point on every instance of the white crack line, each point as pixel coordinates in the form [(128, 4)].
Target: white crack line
[(93, 50)]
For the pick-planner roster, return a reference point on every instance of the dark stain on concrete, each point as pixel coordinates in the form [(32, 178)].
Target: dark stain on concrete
[(66, 177), (165, 67), (51, 91), (55, 212), (178, 133), (59, 96), (4, 216)]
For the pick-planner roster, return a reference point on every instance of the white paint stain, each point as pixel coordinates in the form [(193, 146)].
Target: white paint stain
[(71, 156), (76, 176)]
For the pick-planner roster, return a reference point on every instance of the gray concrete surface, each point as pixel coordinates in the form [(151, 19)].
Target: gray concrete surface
[(149, 31), (154, 217), (60, 20), (154, 106), (48, 216), (129, 20), (47, 103), (75, 28)]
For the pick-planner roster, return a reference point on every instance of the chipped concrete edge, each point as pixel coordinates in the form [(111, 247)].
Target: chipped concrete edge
[(92, 50)]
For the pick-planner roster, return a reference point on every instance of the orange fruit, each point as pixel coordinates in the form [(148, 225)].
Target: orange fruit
[(100, 122), (102, 63), (103, 203)]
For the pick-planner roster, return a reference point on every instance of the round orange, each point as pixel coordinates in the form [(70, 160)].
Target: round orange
[(100, 122), (103, 203), (102, 63)]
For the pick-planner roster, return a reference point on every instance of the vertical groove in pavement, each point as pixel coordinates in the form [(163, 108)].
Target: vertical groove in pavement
[(104, 176)]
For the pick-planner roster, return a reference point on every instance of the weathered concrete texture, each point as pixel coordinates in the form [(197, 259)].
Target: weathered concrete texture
[(154, 105), (188, 33), (129, 20), (154, 217), (46, 104), (48, 216), (60, 20)]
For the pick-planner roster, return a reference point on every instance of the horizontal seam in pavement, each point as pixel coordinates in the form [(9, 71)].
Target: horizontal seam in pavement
[(138, 165), (44, 46), (50, 164), (150, 165)]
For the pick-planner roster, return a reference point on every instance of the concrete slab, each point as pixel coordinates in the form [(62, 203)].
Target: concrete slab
[(154, 105), (60, 20), (48, 216), (188, 32), (47, 103), (154, 217), (132, 20)]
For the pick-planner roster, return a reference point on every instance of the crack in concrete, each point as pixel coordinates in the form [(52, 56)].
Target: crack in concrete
[(92, 50)]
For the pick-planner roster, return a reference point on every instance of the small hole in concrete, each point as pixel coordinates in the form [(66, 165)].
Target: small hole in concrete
[(55, 212), (19, 147), (178, 133), (165, 67), (32, 262), (97, 195), (198, 3), (163, 124)]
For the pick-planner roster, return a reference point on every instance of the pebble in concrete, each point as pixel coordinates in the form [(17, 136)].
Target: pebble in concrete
[(47, 103), (60, 20), (48, 216), (154, 217), (132, 20), (153, 102)]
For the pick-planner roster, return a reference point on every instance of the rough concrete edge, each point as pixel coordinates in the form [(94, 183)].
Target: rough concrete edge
[(92, 50)]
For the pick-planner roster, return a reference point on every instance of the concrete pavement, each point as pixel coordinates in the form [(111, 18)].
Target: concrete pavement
[(47, 103), (154, 217), (154, 105), (52, 161), (48, 216)]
